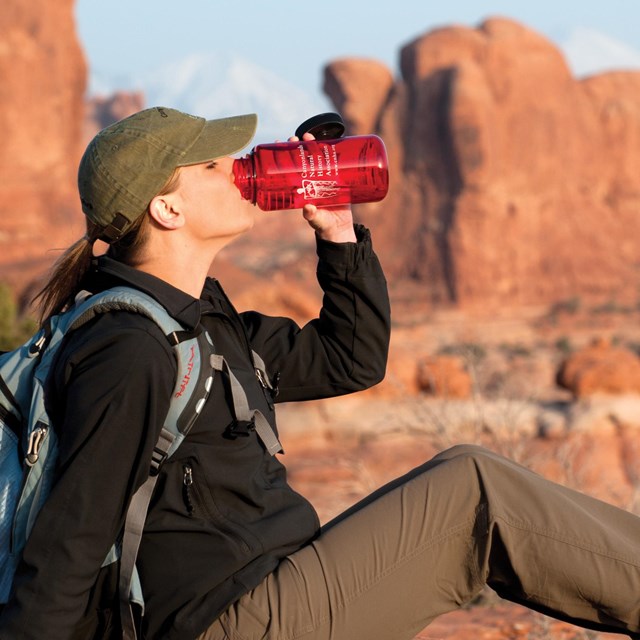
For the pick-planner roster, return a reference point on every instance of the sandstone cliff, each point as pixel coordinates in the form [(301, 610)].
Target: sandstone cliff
[(101, 111), (43, 75), (513, 183)]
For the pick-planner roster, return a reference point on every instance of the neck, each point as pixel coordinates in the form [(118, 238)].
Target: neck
[(185, 268), (186, 276)]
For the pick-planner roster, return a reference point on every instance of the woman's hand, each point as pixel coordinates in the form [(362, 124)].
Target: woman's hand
[(330, 223)]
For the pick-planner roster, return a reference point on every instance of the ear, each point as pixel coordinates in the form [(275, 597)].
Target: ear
[(161, 209)]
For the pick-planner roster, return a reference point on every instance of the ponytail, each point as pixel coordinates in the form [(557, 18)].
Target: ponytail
[(71, 269), (68, 272)]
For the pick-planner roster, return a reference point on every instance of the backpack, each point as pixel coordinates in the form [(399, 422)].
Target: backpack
[(28, 444)]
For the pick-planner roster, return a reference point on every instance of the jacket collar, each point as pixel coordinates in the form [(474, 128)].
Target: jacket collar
[(108, 272)]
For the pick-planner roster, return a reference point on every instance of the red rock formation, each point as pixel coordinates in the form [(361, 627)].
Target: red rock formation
[(512, 181), (43, 80), (359, 88), (101, 111), (444, 376), (600, 368)]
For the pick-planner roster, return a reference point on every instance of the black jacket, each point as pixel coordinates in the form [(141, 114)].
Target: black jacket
[(207, 543)]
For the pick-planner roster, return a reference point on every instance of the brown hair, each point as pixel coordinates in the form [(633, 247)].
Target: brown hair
[(72, 267)]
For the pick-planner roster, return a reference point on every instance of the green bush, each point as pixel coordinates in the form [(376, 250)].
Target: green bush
[(515, 350), (14, 330), (471, 352), (570, 306), (564, 345)]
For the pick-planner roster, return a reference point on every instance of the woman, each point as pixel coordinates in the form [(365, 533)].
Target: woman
[(229, 549)]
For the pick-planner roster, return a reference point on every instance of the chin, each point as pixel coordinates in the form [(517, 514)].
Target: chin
[(250, 216), (248, 222)]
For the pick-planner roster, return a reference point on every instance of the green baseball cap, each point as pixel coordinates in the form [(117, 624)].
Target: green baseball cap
[(126, 165)]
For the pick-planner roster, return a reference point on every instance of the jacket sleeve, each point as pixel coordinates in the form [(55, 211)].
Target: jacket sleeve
[(343, 350), (114, 383)]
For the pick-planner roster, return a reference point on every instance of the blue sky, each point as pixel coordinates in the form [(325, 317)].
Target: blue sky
[(294, 39)]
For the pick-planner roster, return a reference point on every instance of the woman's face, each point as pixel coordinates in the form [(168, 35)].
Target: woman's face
[(211, 202)]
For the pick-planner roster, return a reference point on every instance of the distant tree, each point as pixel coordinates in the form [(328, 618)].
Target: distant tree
[(14, 329)]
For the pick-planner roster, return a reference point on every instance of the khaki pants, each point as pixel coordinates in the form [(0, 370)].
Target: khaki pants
[(428, 542)]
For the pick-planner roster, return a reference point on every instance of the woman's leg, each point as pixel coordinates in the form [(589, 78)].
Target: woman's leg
[(428, 542)]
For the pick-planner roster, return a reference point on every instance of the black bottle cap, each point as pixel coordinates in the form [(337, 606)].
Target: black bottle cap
[(324, 126)]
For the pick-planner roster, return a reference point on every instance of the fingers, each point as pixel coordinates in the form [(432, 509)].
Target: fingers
[(306, 136)]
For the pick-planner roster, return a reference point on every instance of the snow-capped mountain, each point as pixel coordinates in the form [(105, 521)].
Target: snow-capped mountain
[(217, 85), (213, 86), (589, 51)]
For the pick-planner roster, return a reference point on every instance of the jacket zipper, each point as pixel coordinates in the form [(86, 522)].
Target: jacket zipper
[(187, 482), (197, 505)]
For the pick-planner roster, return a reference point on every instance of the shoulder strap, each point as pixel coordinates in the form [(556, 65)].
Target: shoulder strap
[(243, 411), (21, 368), (192, 350), (196, 363)]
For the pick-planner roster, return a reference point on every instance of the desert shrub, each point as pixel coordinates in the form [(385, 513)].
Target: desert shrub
[(569, 306), (14, 329), (611, 307), (470, 352), (564, 345), (515, 350)]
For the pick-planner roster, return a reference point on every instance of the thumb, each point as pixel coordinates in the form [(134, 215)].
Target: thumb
[(310, 214)]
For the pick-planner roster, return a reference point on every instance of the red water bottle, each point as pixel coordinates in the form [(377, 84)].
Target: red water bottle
[(326, 171)]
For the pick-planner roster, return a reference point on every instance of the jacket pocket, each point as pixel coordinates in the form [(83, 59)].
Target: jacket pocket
[(200, 504)]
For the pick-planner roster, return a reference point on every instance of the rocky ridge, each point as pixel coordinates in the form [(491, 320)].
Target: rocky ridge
[(43, 73), (513, 182)]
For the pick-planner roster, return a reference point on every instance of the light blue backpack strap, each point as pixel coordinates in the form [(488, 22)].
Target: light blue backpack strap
[(193, 383), (25, 371), (122, 299), (10, 482), (190, 391)]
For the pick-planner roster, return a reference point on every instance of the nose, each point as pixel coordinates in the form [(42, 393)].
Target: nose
[(226, 165)]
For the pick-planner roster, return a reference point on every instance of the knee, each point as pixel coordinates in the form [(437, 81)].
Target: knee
[(472, 451), (463, 460), (477, 460)]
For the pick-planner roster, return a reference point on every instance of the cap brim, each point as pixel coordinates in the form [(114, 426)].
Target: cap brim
[(220, 138)]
